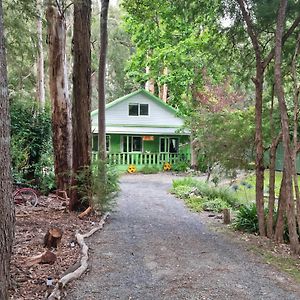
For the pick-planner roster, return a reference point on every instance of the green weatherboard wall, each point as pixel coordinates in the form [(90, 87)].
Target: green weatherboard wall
[(150, 147)]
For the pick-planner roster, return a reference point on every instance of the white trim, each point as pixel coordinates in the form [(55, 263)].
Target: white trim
[(167, 143), (139, 110), (127, 138)]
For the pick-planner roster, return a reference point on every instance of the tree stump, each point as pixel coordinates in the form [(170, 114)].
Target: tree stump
[(53, 237), (226, 216)]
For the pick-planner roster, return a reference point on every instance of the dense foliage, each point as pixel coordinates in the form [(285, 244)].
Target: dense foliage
[(31, 144)]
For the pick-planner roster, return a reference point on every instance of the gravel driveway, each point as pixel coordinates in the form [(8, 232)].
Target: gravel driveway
[(155, 248)]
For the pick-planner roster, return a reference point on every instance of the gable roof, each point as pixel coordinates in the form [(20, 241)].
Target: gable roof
[(140, 91)]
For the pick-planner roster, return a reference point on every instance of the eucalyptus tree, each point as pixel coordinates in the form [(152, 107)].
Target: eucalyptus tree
[(59, 93), (118, 52), (6, 203), (40, 95), (81, 108), (101, 81)]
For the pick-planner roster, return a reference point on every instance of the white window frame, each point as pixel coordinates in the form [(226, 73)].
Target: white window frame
[(130, 137), (167, 144), (139, 110)]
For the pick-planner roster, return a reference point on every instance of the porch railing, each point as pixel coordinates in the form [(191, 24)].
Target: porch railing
[(144, 158)]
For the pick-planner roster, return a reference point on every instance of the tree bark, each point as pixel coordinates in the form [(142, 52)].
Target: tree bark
[(258, 81), (259, 161), (40, 58), (81, 119), (288, 192), (270, 223), (163, 89), (101, 80), (296, 121), (279, 229), (272, 171), (61, 105), (6, 202)]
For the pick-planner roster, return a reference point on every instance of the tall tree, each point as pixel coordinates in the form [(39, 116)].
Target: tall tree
[(6, 203), (81, 119), (287, 152), (101, 80), (40, 56), (250, 11), (61, 105)]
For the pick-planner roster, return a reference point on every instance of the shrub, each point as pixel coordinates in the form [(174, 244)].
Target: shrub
[(216, 205), (183, 191), (213, 198), (150, 170), (180, 166), (202, 163), (246, 219), (105, 185), (31, 145)]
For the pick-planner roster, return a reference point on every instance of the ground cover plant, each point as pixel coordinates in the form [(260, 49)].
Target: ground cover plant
[(200, 195)]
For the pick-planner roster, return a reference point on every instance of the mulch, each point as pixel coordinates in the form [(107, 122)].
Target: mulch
[(32, 223)]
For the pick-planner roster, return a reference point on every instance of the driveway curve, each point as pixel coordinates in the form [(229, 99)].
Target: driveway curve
[(153, 247)]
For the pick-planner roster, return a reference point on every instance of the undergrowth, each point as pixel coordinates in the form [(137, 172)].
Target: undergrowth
[(200, 195)]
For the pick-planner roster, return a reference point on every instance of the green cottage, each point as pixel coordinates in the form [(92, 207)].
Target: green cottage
[(142, 130)]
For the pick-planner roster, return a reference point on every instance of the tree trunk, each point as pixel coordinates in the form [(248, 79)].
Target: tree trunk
[(259, 161), (163, 89), (101, 80), (296, 121), (288, 191), (40, 58), (270, 223), (61, 106), (6, 202), (258, 80), (279, 230), (81, 119)]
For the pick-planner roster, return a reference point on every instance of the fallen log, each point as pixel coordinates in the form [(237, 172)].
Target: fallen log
[(56, 294), (46, 257), (85, 213), (52, 237)]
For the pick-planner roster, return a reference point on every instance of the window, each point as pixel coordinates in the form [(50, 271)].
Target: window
[(132, 144), (169, 145), (95, 143), (135, 109), (173, 145), (144, 109)]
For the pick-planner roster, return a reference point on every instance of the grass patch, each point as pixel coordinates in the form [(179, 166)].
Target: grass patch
[(245, 189)]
